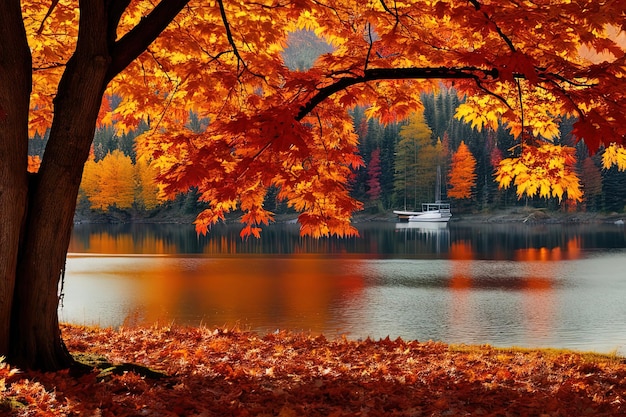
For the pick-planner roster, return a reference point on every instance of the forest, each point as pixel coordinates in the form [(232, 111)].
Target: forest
[(400, 162)]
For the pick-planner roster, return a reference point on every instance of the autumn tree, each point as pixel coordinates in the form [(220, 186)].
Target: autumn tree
[(146, 186), (518, 63), (416, 163), (462, 175), (114, 182), (374, 171)]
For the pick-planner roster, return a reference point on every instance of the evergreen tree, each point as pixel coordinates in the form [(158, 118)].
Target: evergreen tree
[(104, 142), (614, 189), (390, 135), (37, 144), (304, 47), (591, 179)]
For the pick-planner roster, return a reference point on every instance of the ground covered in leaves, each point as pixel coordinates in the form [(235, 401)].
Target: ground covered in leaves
[(177, 371)]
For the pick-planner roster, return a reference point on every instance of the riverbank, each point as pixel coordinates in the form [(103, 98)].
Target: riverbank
[(522, 214), (525, 215), (219, 372)]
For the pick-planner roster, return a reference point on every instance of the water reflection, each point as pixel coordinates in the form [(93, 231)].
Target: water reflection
[(498, 284), (381, 240)]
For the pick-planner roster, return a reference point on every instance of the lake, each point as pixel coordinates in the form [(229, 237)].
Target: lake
[(501, 284)]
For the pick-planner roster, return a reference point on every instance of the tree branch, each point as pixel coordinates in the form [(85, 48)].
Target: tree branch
[(131, 45), (231, 40), (394, 74), (229, 34), (504, 37)]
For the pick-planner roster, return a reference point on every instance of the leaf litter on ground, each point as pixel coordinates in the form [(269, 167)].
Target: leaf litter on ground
[(197, 371)]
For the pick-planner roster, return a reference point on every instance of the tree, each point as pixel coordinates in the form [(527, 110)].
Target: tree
[(110, 181), (374, 171), (146, 187), (270, 127), (592, 183), (73, 73), (416, 163), (462, 176)]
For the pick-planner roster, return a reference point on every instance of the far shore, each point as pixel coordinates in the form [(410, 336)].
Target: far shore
[(527, 215)]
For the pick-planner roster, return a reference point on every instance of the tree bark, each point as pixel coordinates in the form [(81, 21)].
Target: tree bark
[(37, 218), (35, 335), (15, 87)]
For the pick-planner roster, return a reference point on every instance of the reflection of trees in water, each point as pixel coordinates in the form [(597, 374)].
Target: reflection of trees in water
[(385, 240)]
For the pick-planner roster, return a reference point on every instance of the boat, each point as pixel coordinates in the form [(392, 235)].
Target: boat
[(431, 212), (404, 215)]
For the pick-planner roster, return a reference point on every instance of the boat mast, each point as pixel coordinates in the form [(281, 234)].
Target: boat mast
[(438, 185)]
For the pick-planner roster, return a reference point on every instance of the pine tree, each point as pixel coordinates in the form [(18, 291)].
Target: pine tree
[(591, 179)]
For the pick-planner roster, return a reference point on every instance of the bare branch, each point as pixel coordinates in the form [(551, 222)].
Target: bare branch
[(231, 40), (229, 34), (48, 13)]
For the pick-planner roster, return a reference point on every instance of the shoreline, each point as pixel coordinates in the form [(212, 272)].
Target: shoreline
[(522, 215)]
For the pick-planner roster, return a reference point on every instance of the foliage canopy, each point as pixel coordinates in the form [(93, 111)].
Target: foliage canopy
[(526, 64)]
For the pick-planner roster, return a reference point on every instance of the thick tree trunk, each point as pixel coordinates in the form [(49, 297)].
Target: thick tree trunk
[(36, 216), (35, 336), (15, 87)]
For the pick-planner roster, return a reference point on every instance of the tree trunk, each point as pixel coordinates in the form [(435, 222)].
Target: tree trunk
[(15, 87), (37, 216), (35, 335)]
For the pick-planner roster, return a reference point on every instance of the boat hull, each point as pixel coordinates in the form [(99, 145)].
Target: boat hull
[(430, 217), (431, 212)]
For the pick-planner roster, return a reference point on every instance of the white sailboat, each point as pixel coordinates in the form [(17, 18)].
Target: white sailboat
[(431, 212)]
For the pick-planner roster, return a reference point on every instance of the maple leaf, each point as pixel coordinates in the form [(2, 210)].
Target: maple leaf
[(271, 126), (614, 155), (547, 171)]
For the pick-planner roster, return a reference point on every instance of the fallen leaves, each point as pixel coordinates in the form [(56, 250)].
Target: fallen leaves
[(222, 372)]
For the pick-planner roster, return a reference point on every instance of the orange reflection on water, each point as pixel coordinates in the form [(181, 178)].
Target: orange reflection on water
[(249, 292), (535, 282), (540, 304), (461, 250), (572, 251), (462, 314), (122, 243)]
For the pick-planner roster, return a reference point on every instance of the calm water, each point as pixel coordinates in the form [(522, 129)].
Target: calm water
[(513, 284)]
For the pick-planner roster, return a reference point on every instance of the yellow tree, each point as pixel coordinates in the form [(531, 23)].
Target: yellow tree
[(270, 127), (462, 176), (90, 182), (416, 162), (110, 181), (146, 187)]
